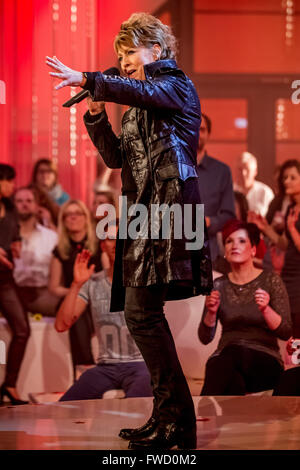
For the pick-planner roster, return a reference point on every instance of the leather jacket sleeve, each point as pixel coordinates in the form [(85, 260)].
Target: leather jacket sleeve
[(166, 91), (104, 139)]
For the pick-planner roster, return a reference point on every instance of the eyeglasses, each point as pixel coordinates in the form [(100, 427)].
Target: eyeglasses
[(46, 171), (68, 215)]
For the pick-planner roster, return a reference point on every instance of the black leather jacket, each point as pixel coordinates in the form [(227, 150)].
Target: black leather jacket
[(159, 140)]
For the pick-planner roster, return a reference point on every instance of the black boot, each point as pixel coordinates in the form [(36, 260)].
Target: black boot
[(166, 436), (141, 432)]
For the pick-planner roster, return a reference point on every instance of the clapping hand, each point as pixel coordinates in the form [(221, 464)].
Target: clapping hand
[(262, 299), (81, 272), (45, 217), (213, 302), (258, 220), (292, 218), (290, 347), (16, 247), (3, 259), (68, 76)]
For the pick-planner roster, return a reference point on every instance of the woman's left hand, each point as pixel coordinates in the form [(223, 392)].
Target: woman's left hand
[(16, 248), (70, 77), (262, 299), (257, 219), (292, 218), (4, 260)]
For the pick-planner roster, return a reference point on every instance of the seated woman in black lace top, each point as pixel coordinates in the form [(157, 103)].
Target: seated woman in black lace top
[(253, 308)]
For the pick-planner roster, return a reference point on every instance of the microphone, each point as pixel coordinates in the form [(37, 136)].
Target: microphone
[(76, 99), (84, 93)]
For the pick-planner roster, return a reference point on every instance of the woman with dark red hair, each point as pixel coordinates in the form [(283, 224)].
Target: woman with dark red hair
[(253, 308)]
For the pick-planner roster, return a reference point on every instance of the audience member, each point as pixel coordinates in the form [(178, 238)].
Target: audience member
[(120, 364), (75, 232), (241, 209), (289, 241), (48, 210), (258, 194), (10, 305), (279, 205), (216, 191), (274, 258), (103, 194), (253, 308), (45, 177), (31, 272)]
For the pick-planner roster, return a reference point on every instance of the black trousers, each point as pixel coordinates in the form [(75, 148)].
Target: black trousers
[(149, 328), (238, 370), (289, 383), (17, 319)]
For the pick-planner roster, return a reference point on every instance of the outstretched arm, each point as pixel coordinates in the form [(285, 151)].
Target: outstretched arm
[(73, 306), (279, 240), (96, 121), (168, 92)]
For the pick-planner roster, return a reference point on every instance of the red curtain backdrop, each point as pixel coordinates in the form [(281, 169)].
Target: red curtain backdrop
[(35, 125)]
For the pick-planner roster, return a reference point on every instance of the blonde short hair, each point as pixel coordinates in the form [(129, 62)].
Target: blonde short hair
[(142, 29)]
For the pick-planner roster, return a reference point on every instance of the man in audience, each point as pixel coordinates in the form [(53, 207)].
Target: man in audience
[(103, 194), (258, 194), (120, 364), (45, 177), (31, 271), (215, 188)]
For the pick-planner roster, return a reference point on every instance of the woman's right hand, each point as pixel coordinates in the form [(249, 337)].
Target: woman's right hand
[(4, 260), (45, 217), (68, 76), (292, 218), (257, 219), (213, 302), (95, 107), (277, 258), (292, 345)]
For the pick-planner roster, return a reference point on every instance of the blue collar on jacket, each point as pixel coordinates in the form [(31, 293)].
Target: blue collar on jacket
[(158, 65)]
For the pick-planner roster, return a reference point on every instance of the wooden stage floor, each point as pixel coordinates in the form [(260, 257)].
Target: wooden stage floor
[(223, 423)]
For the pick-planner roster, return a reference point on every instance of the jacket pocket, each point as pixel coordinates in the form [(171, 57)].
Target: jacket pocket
[(167, 172), (180, 170), (161, 142)]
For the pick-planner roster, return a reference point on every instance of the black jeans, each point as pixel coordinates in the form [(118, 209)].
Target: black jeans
[(16, 317), (289, 383), (149, 328), (238, 370)]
